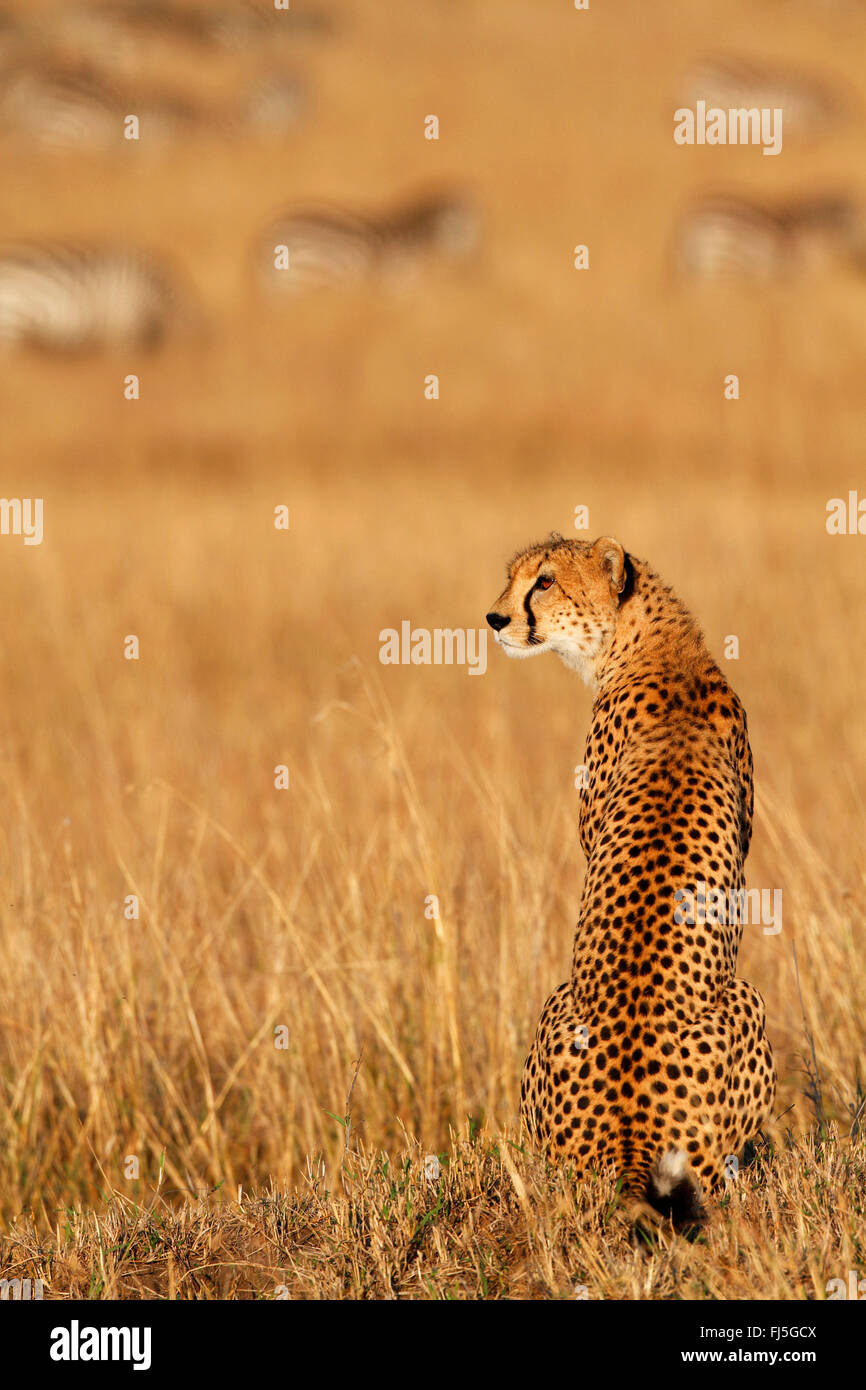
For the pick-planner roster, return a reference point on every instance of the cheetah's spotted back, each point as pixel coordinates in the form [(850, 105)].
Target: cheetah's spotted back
[(652, 1058)]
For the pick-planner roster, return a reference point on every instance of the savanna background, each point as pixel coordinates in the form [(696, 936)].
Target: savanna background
[(305, 908)]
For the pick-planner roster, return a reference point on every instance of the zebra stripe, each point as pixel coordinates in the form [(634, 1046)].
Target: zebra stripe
[(67, 298), (731, 238), (62, 108), (122, 28), (807, 104), (69, 108), (310, 250)]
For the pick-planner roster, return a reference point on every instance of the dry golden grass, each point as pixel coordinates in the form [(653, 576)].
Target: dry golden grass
[(492, 1223), (305, 908)]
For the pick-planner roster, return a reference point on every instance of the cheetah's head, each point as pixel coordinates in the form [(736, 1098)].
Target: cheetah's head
[(563, 596)]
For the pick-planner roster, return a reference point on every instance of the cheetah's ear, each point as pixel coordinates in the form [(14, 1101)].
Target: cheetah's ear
[(611, 558)]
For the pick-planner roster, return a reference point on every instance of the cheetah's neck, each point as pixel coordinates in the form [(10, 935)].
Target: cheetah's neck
[(655, 634)]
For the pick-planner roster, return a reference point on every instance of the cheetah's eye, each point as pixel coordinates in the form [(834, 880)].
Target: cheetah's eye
[(546, 583)]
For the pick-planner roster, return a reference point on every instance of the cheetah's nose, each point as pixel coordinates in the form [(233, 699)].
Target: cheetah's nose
[(497, 621)]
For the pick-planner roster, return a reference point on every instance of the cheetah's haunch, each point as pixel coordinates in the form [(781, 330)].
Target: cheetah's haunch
[(652, 1058)]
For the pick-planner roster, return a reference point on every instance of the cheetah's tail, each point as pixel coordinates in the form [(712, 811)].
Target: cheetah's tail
[(673, 1190)]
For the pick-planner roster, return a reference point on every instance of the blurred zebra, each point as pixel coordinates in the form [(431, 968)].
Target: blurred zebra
[(124, 30), (74, 298), (307, 250), (807, 104), (248, 24), (723, 238), (75, 108), (66, 108)]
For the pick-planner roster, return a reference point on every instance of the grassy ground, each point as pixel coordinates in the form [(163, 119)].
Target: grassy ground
[(140, 1083), (486, 1223)]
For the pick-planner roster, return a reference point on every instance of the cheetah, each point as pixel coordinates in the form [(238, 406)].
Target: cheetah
[(652, 1059)]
